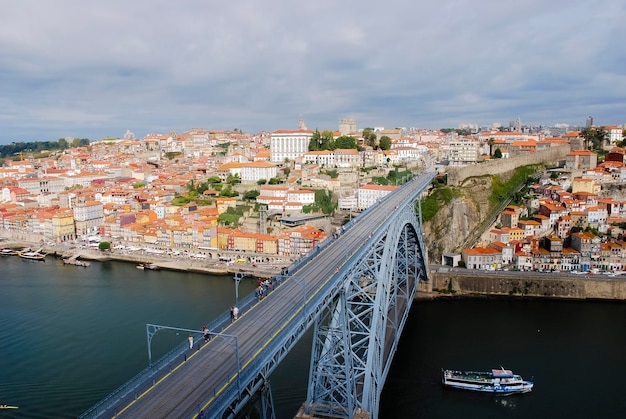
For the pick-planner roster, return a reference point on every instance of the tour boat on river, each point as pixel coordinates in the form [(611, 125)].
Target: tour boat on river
[(498, 381)]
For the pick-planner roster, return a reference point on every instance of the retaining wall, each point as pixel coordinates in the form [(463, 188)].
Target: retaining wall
[(457, 174), (566, 286)]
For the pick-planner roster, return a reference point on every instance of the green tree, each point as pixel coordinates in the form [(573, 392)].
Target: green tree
[(252, 194), (227, 192), (315, 143), (595, 137), (369, 137), (498, 153), (324, 200), (345, 141), (491, 142), (261, 181), (104, 246), (214, 179), (384, 143), (233, 179)]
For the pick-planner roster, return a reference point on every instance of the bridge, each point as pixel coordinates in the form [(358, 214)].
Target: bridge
[(354, 290)]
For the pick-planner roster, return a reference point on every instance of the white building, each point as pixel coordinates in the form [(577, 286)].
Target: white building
[(463, 152), (368, 195), (340, 157), (303, 196), (614, 134), (88, 217), (289, 144), (253, 172), (349, 203)]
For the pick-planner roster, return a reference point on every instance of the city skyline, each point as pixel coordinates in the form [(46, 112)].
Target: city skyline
[(71, 69)]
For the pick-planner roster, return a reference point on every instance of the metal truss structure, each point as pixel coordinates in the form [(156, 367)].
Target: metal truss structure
[(357, 335)]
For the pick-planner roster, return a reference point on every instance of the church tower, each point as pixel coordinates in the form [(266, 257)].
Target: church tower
[(301, 125)]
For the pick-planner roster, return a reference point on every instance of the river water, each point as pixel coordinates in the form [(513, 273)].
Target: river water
[(70, 335)]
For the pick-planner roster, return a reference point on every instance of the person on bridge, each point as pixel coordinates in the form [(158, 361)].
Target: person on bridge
[(190, 342), (205, 332), (235, 312)]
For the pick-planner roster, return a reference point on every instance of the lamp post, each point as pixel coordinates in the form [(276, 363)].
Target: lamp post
[(238, 277)]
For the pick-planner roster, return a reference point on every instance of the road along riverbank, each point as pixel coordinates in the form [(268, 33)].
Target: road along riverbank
[(159, 261)]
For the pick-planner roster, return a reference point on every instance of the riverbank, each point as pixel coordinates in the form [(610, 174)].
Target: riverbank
[(469, 283), (159, 261)]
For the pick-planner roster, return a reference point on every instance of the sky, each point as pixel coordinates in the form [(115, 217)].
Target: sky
[(75, 68)]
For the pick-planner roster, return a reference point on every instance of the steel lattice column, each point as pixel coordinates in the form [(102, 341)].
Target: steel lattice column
[(357, 335)]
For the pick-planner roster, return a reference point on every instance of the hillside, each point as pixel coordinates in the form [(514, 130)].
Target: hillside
[(454, 222)]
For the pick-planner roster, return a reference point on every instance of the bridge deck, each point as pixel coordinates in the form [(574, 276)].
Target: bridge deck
[(211, 370)]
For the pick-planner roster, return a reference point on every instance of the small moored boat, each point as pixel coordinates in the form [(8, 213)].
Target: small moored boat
[(8, 252), (32, 255), (498, 381)]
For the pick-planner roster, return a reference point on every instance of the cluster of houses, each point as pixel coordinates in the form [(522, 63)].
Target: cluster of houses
[(566, 212), (123, 189)]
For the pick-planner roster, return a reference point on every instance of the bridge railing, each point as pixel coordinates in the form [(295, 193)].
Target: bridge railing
[(172, 358)]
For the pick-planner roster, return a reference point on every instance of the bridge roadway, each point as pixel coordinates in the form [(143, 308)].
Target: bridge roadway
[(211, 370)]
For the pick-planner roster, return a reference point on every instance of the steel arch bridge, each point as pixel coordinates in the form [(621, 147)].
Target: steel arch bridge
[(358, 332), (354, 290)]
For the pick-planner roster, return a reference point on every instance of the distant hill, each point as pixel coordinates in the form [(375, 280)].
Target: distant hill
[(15, 149)]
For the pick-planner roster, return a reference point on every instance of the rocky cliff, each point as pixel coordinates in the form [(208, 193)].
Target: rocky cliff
[(457, 220)]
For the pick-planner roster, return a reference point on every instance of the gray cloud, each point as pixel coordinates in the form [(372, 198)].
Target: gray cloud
[(74, 68)]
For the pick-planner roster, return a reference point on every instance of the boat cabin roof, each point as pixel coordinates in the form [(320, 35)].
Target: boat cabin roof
[(501, 373)]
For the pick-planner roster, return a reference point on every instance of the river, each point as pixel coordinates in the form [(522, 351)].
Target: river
[(70, 335)]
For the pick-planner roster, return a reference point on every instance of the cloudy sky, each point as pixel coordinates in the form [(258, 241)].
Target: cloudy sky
[(75, 68)]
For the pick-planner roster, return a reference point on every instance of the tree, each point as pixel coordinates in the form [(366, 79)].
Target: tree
[(252, 194), (345, 141), (498, 153), (233, 179), (214, 179), (324, 200), (595, 137), (104, 246), (384, 143), (315, 143), (227, 192), (369, 137), (261, 181), (491, 142)]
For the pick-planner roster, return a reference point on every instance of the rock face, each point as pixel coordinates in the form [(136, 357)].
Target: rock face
[(456, 221)]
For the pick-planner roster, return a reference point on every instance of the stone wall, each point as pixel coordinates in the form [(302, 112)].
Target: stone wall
[(456, 175), (564, 286)]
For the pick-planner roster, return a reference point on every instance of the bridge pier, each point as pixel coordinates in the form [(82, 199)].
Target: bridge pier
[(359, 414)]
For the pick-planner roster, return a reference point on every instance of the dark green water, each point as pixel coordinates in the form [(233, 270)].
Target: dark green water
[(70, 335)]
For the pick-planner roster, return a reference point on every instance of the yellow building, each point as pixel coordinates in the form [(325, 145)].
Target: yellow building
[(580, 184), (63, 228)]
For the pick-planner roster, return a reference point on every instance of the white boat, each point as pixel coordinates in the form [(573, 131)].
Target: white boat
[(32, 255), (8, 252), (150, 266), (498, 381)]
